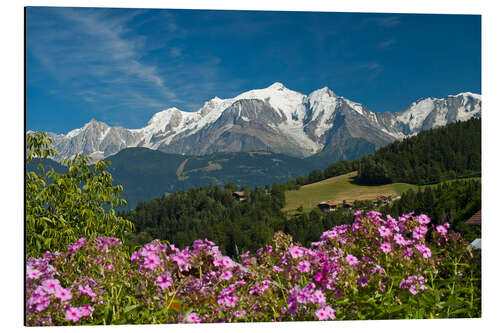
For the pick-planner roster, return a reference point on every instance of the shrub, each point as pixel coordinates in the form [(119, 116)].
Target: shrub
[(373, 269), (61, 208)]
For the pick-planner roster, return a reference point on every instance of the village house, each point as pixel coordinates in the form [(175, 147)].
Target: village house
[(347, 205), (327, 206), (475, 219), (382, 199), (240, 196)]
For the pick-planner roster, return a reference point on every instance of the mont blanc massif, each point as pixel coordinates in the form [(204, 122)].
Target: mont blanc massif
[(255, 138)]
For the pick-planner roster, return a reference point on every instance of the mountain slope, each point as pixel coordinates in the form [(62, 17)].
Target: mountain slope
[(276, 119), (146, 174)]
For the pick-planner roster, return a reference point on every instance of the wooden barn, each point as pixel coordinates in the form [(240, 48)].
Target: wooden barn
[(240, 196), (475, 219), (327, 206), (347, 205)]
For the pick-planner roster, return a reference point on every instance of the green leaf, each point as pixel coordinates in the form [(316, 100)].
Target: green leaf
[(131, 307)]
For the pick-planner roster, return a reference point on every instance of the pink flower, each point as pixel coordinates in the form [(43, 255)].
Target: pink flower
[(33, 273), (423, 219), (399, 239), (193, 317), (86, 310), (442, 230), (295, 251), (362, 281), (38, 293), (385, 247), (51, 285), (351, 260), (73, 314), (321, 314), (414, 284), (229, 301), (152, 261), (384, 231), (239, 314), (87, 291), (319, 298), (227, 262), (182, 261), (304, 266), (424, 250), (63, 294), (330, 312), (42, 304), (420, 232), (277, 269), (325, 313), (408, 253), (446, 225), (164, 281), (226, 275)]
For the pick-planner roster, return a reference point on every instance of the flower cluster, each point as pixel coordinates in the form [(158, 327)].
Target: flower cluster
[(414, 284), (197, 284)]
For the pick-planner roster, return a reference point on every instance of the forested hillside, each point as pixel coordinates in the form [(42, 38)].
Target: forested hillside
[(237, 226), (211, 212), (146, 174), (453, 202), (445, 153)]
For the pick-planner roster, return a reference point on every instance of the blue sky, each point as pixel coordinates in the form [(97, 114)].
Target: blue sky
[(121, 66)]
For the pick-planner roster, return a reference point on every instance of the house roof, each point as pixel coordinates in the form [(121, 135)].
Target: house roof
[(476, 244), (475, 219), (327, 202)]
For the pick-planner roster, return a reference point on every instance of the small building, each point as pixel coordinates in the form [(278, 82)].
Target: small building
[(240, 196), (475, 245), (327, 206), (347, 205), (475, 219), (382, 199)]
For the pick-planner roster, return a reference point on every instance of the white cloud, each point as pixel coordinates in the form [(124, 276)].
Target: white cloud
[(95, 52)]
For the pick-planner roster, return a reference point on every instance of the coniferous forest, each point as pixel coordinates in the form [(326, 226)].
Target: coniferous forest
[(238, 226)]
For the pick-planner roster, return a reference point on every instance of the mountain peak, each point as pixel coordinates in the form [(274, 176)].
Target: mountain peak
[(328, 91), (163, 116), (94, 122), (323, 93), (466, 94), (277, 86), (91, 124)]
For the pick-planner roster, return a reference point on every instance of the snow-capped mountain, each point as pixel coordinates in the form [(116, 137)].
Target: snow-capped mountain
[(274, 118)]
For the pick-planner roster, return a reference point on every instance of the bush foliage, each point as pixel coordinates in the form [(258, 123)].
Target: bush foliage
[(63, 207)]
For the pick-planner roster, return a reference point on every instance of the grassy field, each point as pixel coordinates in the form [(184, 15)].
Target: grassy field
[(338, 189), (342, 188)]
